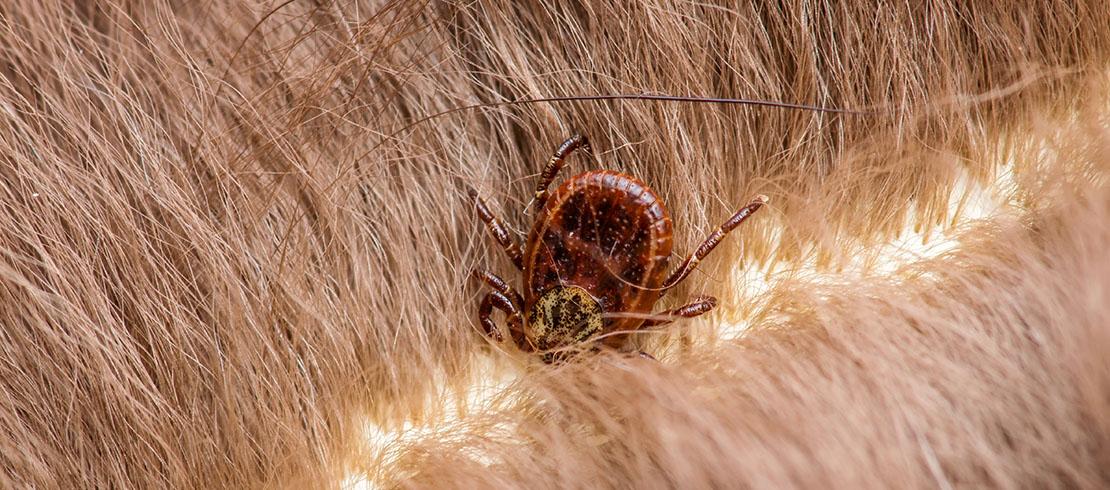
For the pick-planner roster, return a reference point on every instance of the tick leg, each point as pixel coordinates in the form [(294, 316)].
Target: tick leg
[(512, 248), (699, 306), (503, 298), (497, 300), (711, 242), (556, 163), (500, 286)]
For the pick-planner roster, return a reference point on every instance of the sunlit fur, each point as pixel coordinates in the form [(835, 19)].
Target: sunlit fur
[(223, 249)]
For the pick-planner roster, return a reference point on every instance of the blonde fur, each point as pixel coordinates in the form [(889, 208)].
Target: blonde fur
[(223, 244)]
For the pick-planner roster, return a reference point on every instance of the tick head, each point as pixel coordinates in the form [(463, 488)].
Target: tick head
[(562, 317)]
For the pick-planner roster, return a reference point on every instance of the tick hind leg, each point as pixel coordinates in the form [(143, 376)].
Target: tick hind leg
[(503, 298), (555, 164), (712, 241), (512, 247), (699, 306)]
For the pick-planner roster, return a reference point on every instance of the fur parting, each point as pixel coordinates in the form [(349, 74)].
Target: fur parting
[(985, 367), (226, 242)]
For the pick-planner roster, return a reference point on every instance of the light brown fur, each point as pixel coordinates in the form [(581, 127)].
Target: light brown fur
[(223, 244)]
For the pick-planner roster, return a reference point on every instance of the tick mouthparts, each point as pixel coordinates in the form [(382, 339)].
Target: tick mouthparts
[(761, 198)]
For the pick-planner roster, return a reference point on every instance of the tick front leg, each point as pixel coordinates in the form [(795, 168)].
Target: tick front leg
[(500, 286), (712, 241), (699, 306), (555, 164), (497, 300), (512, 248), (503, 298)]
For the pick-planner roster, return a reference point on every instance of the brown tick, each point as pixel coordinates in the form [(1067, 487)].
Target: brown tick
[(595, 261)]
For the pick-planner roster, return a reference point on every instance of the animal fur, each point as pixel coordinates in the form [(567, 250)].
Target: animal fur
[(229, 239)]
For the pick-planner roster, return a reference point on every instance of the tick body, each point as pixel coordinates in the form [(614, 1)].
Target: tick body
[(602, 233), (595, 261)]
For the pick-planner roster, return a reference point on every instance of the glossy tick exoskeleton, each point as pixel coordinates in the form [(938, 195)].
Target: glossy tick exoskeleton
[(595, 261)]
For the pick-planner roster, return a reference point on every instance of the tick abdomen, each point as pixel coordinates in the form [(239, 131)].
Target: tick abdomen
[(606, 233)]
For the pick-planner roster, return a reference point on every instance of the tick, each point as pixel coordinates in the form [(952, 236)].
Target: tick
[(595, 261)]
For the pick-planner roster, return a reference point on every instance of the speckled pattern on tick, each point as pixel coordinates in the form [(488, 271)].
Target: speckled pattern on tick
[(595, 261)]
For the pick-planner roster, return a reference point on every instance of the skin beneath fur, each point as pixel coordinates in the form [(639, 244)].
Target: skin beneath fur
[(220, 253)]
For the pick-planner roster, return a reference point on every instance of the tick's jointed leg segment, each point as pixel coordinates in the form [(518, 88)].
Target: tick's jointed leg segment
[(496, 300), (499, 285), (555, 164), (504, 299), (699, 306), (712, 241), (512, 248)]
